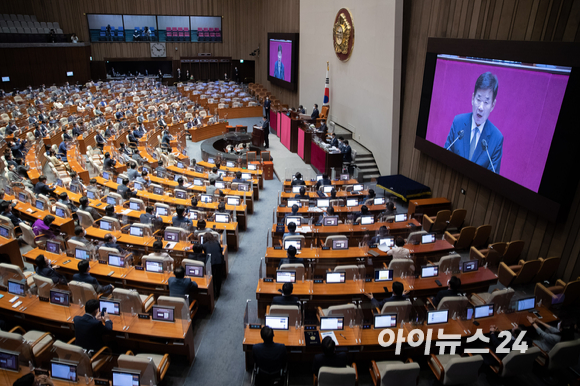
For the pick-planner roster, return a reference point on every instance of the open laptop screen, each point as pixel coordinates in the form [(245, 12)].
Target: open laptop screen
[(526, 304), (61, 298), (437, 317), (82, 254), (332, 323), (330, 221), (63, 370), (116, 260), (293, 243), (123, 377), (430, 271), (470, 266), (335, 277), (385, 321), (401, 217), (383, 275), (163, 313), (9, 360), (193, 270), (153, 266), (286, 276), (340, 244), (112, 307), (16, 288), (428, 238), (136, 231), (277, 322), (483, 311)]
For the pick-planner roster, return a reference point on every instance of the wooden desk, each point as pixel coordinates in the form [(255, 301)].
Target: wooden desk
[(240, 112), (322, 161), (208, 131), (363, 344), (341, 211), (11, 248), (136, 334), (145, 283), (428, 206), (258, 173), (9, 377), (331, 294), (30, 213), (311, 183)]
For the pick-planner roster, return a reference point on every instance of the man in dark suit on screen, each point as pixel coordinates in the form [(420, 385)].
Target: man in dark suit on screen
[(472, 135)]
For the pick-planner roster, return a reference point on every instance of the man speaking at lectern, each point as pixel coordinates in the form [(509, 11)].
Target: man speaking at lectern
[(472, 135)]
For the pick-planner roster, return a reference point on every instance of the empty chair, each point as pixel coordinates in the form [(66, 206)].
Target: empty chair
[(518, 274), (562, 356), (513, 251), (437, 223), (167, 264), (547, 269), (461, 240), (401, 308), (348, 310), (152, 367), (349, 269), (481, 236), (394, 373), (415, 237), (43, 285), (449, 263), (490, 256), (85, 364), (499, 298), (300, 238), (82, 292), (402, 267), (328, 241), (293, 312), (105, 251), (85, 219), (183, 309), (13, 272), (30, 345), (515, 363), (455, 304), (299, 268), (455, 369), (335, 376), (561, 294), (132, 301)]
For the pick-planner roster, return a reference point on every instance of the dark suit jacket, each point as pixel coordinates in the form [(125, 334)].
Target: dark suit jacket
[(339, 359), (42, 188), (181, 287), (392, 298), (285, 300), (314, 114), (50, 273), (270, 357), (490, 133), (266, 127), (89, 332), (346, 154), (443, 293)]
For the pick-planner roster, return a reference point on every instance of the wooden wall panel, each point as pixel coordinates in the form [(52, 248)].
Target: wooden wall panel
[(536, 20), (245, 25)]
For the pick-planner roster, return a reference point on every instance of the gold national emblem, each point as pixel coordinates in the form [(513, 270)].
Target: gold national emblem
[(343, 34)]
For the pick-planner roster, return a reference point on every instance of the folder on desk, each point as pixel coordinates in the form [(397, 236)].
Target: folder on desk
[(170, 245), (311, 338)]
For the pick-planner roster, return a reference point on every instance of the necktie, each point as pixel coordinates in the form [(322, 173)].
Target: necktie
[(473, 142)]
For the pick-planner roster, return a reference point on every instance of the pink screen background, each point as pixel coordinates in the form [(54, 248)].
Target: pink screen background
[(526, 112), (286, 57)]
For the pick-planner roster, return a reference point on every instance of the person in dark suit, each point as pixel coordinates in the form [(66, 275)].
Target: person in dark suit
[(399, 294), (291, 257), (267, 104), (346, 152), (334, 141), (41, 187), (302, 195), (109, 163), (270, 357), (329, 356), (213, 249), (266, 128), (286, 299), (111, 242), (89, 328), (472, 135), (6, 210), (298, 179), (294, 212), (85, 277), (43, 268), (452, 290), (279, 66), (323, 181), (124, 189), (315, 113), (179, 286), (323, 127)]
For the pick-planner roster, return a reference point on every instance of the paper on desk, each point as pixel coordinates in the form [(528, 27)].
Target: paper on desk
[(127, 211), (315, 209), (305, 230), (329, 333)]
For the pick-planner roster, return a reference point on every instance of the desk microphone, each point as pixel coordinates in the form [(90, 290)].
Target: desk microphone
[(459, 136), (484, 146)]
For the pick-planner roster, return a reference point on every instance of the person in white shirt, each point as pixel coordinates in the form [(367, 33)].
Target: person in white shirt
[(399, 252)]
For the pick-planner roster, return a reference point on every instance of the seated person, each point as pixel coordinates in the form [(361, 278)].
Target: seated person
[(160, 169), (133, 173), (179, 220), (324, 181), (89, 328), (383, 232), (43, 268), (291, 231), (329, 213), (158, 252), (124, 190), (6, 210), (294, 212), (198, 253), (369, 196), (286, 299), (85, 277), (238, 177), (93, 187), (213, 174), (210, 189), (84, 206), (298, 180), (452, 290), (551, 335), (148, 217), (201, 229), (41, 187), (63, 199), (111, 242), (108, 163), (398, 252), (329, 356), (302, 195), (179, 286), (143, 179), (399, 294), (270, 357), (495, 341), (79, 236), (43, 227), (291, 257)]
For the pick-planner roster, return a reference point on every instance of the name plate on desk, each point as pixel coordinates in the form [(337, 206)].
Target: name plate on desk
[(318, 281), (254, 326), (310, 327), (366, 326), (355, 223), (139, 268), (325, 248), (368, 280), (277, 247), (144, 316), (102, 261), (101, 382), (282, 206), (43, 299), (268, 280)]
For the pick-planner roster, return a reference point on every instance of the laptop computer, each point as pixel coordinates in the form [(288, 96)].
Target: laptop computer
[(161, 211), (335, 277), (429, 271), (105, 225), (388, 241), (60, 297), (383, 275), (16, 287), (163, 313), (379, 201), (295, 220), (526, 304), (385, 321), (428, 238), (9, 360), (401, 217), (470, 266), (352, 202), (125, 377), (113, 307), (64, 370), (292, 202), (136, 231), (483, 311), (154, 266), (60, 212), (116, 260), (277, 322), (82, 254), (222, 218), (367, 220), (340, 244), (193, 270), (52, 246), (293, 243), (330, 221), (323, 203), (285, 276), (234, 201), (332, 323), (437, 317)]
